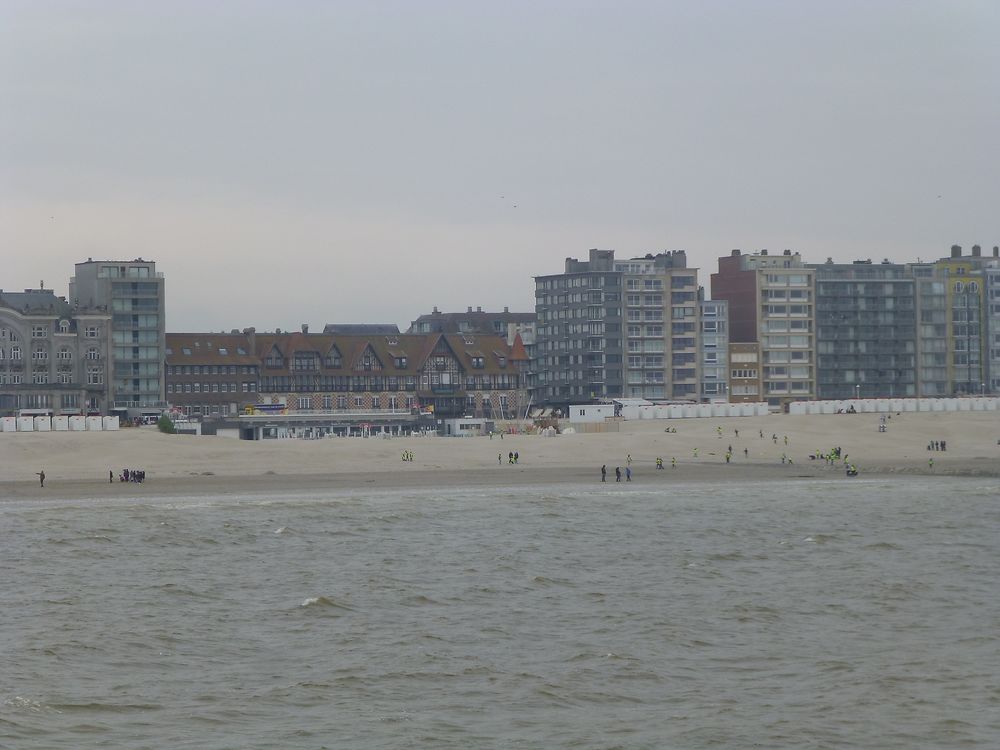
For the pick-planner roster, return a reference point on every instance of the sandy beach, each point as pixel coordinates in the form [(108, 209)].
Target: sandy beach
[(77, 465)]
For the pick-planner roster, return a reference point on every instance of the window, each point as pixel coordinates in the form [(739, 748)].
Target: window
[(304, 403), (39, 332), (92, 332), (64, 354), (93, 353), (400, 363), (375, 402), (95, 376), (478, 363), (39, 354), (341, 402), (63, 378), (40, 377), (359, 402), (327, 402)]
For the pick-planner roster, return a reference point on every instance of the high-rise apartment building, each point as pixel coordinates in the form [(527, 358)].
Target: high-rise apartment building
[(133, 292), (771, 303), (866, 342), (617, 329), (714, 339)]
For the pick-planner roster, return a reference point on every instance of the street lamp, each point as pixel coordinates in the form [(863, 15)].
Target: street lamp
[(857, 391)]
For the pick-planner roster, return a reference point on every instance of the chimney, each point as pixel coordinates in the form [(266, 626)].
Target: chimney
[(956, 251), (506, 309), (479, 309), (305, 328), (735, 253), (764, 251), (996, 251), (787, 252), (976, 251), (470, 309), (435, 311)]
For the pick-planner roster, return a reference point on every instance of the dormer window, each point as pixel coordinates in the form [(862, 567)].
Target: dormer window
[(478, 363), (186, 350), (400, 363), (63, 326), (502, 361)]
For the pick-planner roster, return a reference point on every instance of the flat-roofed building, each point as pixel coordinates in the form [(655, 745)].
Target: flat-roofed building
[(866, 329), (133, 292), (771, 303)]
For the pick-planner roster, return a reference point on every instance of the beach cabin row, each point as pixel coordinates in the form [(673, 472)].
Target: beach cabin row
[(75, 423), (887, 405), (631, 409)]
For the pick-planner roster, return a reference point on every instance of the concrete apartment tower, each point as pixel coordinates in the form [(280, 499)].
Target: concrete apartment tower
[(771, 305), (617, 329), (133, 292)]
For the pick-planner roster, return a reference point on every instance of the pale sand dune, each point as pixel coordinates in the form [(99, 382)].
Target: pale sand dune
[(77, 464)]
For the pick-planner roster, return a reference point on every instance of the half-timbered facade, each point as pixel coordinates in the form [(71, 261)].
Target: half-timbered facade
[(447, 374)]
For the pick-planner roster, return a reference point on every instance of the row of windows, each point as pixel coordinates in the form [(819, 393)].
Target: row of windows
[(211, 370), (41, 354), (247, 387), (95, 376)]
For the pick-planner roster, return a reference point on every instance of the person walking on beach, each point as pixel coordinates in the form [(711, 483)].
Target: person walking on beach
[(745, 453), (729, 454), (41, 478), (500, 458), (604, 472), (673, 462), (628, 473), (696, 453), (111, 476), (930, 465), (618, 473), (628, 459)]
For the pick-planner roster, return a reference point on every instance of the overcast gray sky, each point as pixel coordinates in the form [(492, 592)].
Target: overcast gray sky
[(314, 162)]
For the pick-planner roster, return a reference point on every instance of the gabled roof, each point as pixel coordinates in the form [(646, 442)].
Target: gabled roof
[(416, 349), (517, 351), (206, 349)]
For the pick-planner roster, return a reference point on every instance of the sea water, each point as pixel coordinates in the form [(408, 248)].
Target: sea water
[(806, 614)]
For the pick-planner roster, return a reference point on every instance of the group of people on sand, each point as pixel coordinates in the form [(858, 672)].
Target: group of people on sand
[(618, 469), (407, 456), (512, 458), (129, 475)]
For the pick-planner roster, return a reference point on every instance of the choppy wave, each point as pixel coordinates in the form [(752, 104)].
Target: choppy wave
[(803, 614)]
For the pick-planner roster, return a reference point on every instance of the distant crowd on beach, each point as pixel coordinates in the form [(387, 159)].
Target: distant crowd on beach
[(129, 475)]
